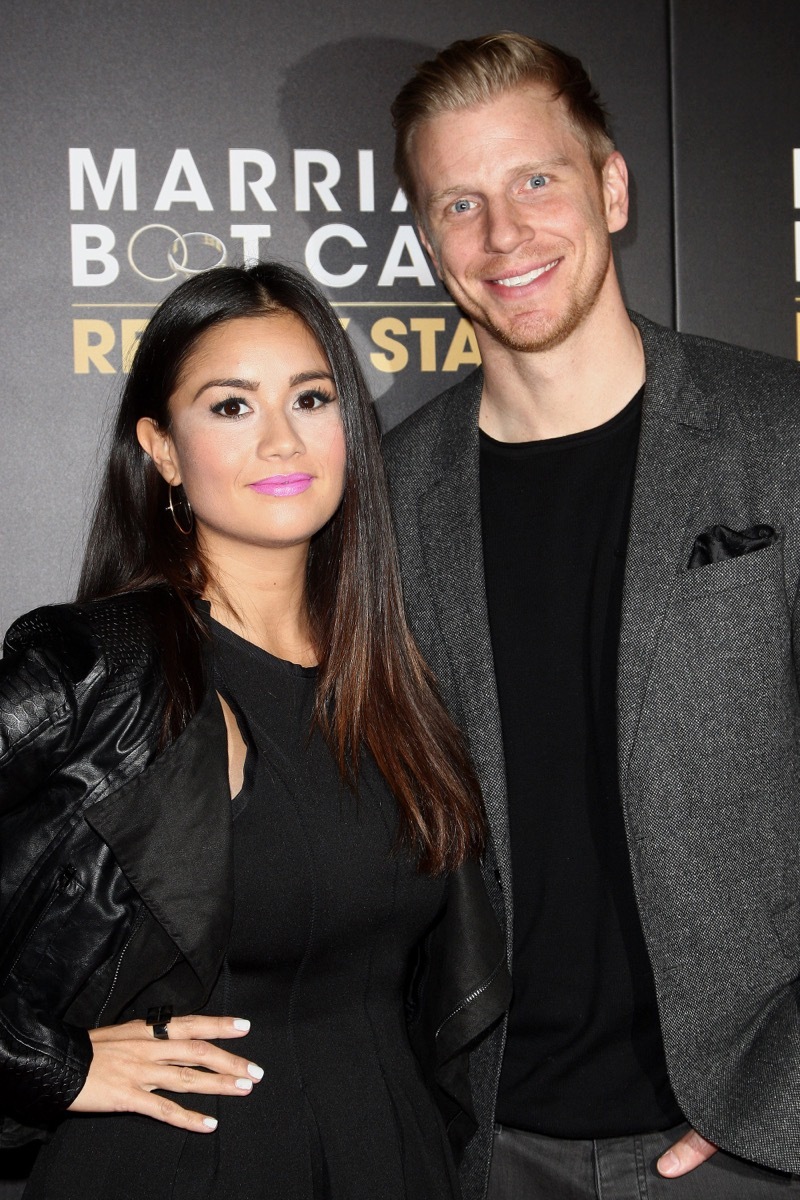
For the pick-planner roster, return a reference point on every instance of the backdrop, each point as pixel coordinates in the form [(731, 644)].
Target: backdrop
[(147, 140)]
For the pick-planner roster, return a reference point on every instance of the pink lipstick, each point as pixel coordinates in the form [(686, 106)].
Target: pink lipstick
[(282, 485)]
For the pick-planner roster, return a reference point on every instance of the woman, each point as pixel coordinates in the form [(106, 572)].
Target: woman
[(230, 797)]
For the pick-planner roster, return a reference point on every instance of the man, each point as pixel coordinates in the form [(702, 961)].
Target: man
[(600, 542)]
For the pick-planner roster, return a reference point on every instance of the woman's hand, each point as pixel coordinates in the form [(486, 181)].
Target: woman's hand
[(129, 1064)]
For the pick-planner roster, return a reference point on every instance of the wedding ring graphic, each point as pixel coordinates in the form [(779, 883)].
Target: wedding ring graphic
[(177, 252)]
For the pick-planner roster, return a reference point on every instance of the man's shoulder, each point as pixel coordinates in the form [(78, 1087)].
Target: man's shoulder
[(419, 436), (748, 377)]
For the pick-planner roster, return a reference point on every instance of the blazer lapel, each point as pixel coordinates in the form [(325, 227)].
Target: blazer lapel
[(169, 829), (679, 425), (451, 539)]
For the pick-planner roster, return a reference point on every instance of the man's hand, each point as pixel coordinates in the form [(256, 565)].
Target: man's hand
[(687, 1153)]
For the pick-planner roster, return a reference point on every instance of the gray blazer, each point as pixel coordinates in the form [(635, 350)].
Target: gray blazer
[(708, 716)]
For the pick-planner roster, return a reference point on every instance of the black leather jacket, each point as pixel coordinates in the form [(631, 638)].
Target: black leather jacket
[(115, 876)]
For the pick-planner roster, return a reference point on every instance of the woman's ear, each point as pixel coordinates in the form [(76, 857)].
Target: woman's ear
[(158, 444)]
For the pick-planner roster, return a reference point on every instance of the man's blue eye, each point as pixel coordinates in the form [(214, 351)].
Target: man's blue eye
[(461, 206), (537, 181)]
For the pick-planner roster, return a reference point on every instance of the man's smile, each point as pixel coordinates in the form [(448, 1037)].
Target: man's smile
[(528, 277)]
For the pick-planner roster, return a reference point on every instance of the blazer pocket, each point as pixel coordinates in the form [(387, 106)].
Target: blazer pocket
[(738, 572)]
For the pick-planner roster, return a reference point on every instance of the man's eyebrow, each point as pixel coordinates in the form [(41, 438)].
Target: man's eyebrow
[(445, 194), (531, 168)]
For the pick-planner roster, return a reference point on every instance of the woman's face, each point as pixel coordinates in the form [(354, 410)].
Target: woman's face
[(255, 437)]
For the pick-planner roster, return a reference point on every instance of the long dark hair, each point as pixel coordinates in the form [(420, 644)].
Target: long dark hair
[(374, 689)]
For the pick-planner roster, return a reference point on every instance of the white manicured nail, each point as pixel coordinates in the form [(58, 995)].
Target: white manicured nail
[(244, 1084), (241, 1023), (256, 1072), (210, 1122)]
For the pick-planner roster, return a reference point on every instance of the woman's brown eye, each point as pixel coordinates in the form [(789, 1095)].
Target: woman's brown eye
[(229, 408), (308, 401)]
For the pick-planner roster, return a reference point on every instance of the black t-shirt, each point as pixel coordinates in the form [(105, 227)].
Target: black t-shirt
[(584, 1056)]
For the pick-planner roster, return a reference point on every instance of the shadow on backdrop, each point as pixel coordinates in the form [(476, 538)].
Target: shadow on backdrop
[(338, 97)]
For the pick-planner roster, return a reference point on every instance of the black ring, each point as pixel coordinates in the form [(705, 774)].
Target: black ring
[(158, 1018)]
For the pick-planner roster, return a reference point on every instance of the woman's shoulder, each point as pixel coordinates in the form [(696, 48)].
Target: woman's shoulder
[(66, 665), (116, 635)]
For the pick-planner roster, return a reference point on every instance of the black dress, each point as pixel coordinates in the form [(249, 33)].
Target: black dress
[(325, 918)]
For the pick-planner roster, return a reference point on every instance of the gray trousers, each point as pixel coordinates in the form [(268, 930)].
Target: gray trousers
[(528, 1166)]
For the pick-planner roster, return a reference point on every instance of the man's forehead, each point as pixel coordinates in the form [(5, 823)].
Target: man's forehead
[(517, 125), (519, 114)]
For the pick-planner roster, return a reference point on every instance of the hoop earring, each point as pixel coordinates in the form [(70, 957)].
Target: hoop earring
[(187, 513)]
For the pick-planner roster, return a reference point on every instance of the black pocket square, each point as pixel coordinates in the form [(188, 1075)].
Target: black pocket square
[(718, 543)]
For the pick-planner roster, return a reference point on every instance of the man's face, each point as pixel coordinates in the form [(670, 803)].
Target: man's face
[(515, 217)]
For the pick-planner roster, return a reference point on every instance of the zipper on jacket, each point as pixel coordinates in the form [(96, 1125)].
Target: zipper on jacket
[(35, 917), (136, 926), (487, 983)]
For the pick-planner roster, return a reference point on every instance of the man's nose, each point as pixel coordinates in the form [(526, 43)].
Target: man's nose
[(507, 225)]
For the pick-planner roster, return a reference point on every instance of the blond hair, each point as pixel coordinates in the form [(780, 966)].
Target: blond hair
[(475, 72)]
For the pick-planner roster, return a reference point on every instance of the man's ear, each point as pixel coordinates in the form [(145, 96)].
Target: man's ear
[(615, 191), (160, 447)]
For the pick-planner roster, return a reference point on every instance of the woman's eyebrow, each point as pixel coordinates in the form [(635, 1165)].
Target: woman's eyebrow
[(246, 385), (307, 376)]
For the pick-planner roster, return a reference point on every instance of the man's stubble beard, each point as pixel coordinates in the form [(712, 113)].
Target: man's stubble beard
[(529, 342), (578, 309)]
